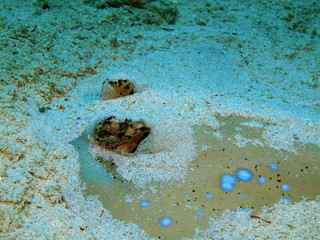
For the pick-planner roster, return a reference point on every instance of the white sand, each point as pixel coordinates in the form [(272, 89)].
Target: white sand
[(242, 59)]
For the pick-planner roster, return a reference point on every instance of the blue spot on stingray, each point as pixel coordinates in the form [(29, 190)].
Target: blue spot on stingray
[(243, 196), (209, 196), (262, 180), (286, 200), (286, 187), (200, 212), (144, 204), (244, 174), (228, 187), (274, 166), (228, 178), (165, 222)]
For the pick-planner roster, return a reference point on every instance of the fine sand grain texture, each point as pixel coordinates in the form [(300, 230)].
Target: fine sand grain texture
[(196, 66)]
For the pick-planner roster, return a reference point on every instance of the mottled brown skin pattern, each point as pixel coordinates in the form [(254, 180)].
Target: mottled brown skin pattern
[(116, 88), (131, 145), (120, 136)]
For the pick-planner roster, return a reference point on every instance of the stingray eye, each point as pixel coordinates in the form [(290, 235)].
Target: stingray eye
[(116, 88), (125, 136)]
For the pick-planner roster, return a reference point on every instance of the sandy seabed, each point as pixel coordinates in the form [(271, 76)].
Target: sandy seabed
[(190, 62)]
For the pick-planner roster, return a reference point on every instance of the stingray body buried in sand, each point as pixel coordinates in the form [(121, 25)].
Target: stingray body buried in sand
[(119, 125), (125, 158)]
